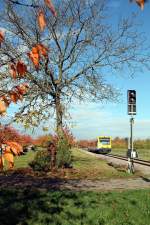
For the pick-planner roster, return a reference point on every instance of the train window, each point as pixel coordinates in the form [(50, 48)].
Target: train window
[(104, 141)]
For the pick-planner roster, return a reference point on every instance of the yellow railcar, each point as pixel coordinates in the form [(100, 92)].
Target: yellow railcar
[(103, 144)]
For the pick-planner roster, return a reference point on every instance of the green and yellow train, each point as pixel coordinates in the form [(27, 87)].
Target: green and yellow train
[(103, 145)]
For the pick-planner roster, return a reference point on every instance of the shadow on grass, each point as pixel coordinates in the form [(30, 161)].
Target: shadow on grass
[(23, 180), (30, 206), (35, 206)]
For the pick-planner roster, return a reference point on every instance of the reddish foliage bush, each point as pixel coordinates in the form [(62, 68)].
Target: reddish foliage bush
[(8, 133), (42, 140)]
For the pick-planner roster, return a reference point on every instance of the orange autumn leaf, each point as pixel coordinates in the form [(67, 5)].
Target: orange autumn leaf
[(13, 71), (6, 100), (21, 68), (18, 97), (7, 149), (1, 163), (34, 56), (1, 37), (49, 4), (2, 107), (9, 156), (42, 50), (16, 148), (140, 3), (36, 52), (13, 96), (41, 20), (22, 88)]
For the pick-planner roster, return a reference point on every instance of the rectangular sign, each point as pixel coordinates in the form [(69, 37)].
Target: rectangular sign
[(131, 98)]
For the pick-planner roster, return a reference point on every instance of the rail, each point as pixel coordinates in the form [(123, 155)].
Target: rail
[(138, 161), (125, 158)]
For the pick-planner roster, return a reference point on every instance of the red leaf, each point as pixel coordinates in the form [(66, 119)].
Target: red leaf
[(21, 68), (22, 88), (13, 96), (49, 4), (1, 37), (13, 70)]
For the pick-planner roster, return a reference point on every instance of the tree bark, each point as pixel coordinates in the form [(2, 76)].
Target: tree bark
[(59, 115)]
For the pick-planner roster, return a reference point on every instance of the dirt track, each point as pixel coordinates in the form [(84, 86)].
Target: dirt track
[(26, 180), (21, 181)]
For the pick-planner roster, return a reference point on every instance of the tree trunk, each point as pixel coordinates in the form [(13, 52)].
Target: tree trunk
[(59, 115)]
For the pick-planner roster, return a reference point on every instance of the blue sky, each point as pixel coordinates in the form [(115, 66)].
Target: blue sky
[(91, 120)]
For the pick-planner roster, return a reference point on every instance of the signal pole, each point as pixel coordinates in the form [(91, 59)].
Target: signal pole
[(130, 159), (131, 111)]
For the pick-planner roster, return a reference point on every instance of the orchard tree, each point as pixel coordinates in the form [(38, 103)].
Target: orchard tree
[(63, 52)]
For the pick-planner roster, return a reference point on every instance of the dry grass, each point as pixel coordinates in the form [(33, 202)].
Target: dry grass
[(89, 167)]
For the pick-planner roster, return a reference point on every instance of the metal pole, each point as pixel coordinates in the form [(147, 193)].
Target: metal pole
[(131, 132), (130, 160)]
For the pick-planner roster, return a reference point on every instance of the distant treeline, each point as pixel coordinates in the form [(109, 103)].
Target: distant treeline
[(117, 143), (123, 143)]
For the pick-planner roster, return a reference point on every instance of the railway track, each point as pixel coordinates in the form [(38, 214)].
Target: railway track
[(138, 161)]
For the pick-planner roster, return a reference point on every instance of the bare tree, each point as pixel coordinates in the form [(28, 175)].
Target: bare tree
[(83, 47)]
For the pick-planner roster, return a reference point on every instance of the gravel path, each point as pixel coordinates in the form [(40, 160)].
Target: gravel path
[(21, 181)]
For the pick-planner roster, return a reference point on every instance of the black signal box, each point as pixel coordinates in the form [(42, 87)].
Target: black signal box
[(131, 95)]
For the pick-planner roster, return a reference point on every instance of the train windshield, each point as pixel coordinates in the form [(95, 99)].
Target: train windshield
[(105, 141)]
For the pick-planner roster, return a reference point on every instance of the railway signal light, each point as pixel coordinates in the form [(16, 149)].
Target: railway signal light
[(131, 102), (131, 97)]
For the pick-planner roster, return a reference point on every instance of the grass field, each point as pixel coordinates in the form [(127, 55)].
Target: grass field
[(142, 153), (22, 161), (90, 167), (84, 166), (24, 206), (42, 207)]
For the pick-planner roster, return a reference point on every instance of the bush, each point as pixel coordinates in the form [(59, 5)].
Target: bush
[(63, 157), (41, 161)]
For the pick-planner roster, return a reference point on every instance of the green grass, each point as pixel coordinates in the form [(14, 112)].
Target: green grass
[(90, 167), (84, 167), (142, 153), (22, 161), (41, 207)]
